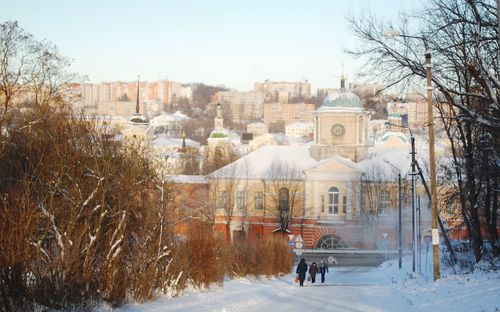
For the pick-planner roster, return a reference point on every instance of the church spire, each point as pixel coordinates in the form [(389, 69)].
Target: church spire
[(219, 120), (137, 102), (137, 118), (219, 111), (183, 140), (342, 78)]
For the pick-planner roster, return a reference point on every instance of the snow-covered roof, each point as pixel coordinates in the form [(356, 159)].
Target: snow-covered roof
[(165, 118), (280, 138), (163, 140), (378, 121), (180, 116), (343, 160), (189, 179), (302, 125), (256, 164), (393, 135), (257, 125), (375, 165), (162, 118)]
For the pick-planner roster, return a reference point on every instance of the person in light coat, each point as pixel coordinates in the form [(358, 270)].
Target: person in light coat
[(323, 269)]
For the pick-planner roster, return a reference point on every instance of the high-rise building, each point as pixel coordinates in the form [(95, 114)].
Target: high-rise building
[(287, 113), (243, 106), (283, 91), (157, 95)]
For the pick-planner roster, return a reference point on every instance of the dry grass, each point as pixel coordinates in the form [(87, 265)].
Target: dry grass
[(81, 223)]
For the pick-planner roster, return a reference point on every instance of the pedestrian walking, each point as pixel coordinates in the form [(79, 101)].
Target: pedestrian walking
[(301, 271), (323, 269), (313, 269)]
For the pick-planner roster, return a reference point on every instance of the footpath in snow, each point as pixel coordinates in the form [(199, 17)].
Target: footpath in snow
[(346, 289)]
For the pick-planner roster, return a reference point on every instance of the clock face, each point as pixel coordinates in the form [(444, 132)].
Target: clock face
[(338, 129)]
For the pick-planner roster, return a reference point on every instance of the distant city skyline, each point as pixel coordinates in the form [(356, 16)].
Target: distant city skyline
[(230, 43)]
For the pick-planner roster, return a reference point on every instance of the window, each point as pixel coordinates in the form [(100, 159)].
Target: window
[(344, 204), (283, 199), (333, 200), (384, 202), (331, 242), (222, 200), (240, 200), (322, 203), (259, 201)]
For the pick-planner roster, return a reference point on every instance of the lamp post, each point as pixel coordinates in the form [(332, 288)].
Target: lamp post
[(391, 33), (400, 240), (414, 200), (413, 174)]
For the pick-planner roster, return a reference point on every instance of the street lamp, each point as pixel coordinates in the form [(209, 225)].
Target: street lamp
[(400, 240), (413, 174), (391, 33)]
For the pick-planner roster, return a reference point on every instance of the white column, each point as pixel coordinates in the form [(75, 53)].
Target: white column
[(349, 200), (316, 130), (308, 199), (315, 208), (319, 130), (358, 199)]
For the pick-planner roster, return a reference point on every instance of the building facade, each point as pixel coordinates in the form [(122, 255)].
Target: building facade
[(287, 113), (161, 94), (323, 191), (243, 106), (283, 91)]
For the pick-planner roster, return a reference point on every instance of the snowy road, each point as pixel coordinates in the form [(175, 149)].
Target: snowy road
[(351, 289), (346, 289)]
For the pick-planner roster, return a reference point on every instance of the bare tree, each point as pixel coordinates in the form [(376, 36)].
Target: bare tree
[(461, 36), (30, 71), (223, 186), (284, 184), (377, 196)]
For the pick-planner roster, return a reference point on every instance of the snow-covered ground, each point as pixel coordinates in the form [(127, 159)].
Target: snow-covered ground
[(385, 288)]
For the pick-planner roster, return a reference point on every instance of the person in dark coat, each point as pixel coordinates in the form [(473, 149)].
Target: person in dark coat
[(301, 271), (323, 268), (313, 269)]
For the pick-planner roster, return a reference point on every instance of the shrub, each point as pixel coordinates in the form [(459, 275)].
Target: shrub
[(218, 135)]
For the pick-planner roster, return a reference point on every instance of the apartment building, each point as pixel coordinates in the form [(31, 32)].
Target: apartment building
[(120, 108), (243, 106), (300, 129), (283, 91), (412, 114), (287, 113), (160, 95)]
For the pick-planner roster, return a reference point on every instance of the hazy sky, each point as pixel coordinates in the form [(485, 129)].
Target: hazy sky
[(231, 42)]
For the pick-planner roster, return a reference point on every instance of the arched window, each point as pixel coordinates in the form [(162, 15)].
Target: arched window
[(284, 199), (333, 200), (331, 242)]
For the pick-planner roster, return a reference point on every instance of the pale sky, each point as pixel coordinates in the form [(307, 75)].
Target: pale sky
[(229, 42)]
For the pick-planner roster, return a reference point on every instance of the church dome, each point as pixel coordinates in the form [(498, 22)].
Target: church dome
[(342, 99)]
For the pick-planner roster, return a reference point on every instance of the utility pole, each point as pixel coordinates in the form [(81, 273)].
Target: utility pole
[(400, 204), (413, 202), (432, 165), (400, 243)]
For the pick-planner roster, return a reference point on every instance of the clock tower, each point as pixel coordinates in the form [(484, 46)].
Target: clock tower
[(341, 126)]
